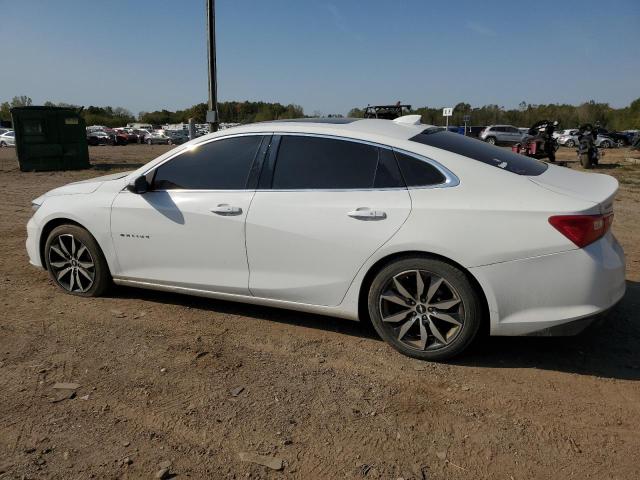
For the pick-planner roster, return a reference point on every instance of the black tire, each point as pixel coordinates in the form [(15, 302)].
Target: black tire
[(621, 143), (101, 277), (570, 144), (490, 140), (605, 144), (455, 285), (169, 142), (2, 144), (149, 142)]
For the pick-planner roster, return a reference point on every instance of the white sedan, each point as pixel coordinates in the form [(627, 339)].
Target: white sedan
[(8, 139), (429, 234)]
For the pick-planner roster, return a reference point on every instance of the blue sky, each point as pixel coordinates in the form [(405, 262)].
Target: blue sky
[(327, 56)]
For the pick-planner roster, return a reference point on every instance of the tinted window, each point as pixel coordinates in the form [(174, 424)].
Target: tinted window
[(418, 173), (481, 151), (219, 165), (387, 173), (313, 162)]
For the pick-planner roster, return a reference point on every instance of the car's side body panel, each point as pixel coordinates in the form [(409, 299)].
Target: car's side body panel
[(175, 235), (303, 246)]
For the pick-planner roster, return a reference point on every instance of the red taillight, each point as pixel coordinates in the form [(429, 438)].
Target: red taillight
[(582, 229)]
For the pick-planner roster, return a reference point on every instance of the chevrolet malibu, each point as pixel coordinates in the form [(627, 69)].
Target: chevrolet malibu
[(430, 235)]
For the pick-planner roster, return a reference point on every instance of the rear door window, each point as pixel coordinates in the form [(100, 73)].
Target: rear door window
[(481, 151), (307, 162)]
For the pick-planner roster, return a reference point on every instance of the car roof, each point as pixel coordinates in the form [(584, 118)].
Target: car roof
[(348, 127)]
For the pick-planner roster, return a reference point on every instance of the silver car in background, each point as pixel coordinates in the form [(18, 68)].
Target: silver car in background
[(571, 140), (8, 139), (506, 134)]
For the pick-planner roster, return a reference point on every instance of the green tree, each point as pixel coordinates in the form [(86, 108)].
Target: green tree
[(21, 101)]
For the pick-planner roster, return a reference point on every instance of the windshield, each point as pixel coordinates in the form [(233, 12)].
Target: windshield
[(481, 151)]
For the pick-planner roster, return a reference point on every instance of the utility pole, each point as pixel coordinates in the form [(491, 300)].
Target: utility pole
[(212, 112)]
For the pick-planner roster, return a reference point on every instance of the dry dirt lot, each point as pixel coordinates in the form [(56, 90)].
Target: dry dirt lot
[(194, 382)]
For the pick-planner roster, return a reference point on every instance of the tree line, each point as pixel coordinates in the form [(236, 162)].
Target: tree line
[(246, 112), (229, 112), (527, 114)]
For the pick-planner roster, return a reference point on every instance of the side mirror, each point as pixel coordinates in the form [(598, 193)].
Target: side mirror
[(139, 185)]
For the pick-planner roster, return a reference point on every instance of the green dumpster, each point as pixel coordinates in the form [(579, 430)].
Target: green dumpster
[(50, 138)]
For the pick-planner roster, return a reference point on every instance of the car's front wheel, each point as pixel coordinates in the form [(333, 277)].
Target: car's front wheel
[(425, 308), (491, 140), (75, 261), (605, 144), (570, 144)]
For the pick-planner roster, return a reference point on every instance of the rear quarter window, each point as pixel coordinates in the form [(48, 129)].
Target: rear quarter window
[(480, 151)]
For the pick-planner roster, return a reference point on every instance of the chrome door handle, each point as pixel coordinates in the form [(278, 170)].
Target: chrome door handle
[(226, 209), (365, 213)]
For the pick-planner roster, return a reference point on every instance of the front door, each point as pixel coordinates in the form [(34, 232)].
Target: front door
[(188, 230), (330, 204)]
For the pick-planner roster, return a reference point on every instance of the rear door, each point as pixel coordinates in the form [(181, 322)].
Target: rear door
[(324, 206)]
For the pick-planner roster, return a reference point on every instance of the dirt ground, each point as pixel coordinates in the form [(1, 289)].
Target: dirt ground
[(195, 382)]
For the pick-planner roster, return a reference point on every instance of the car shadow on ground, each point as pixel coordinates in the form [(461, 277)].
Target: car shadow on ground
[(608, 349)]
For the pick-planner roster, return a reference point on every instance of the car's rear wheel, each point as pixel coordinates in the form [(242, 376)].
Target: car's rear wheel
[(425, 308), (75, 261), (491, 140), (149, 142), (620, 143), (570, 143)]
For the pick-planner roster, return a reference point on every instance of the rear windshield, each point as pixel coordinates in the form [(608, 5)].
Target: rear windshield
[(481, 151)]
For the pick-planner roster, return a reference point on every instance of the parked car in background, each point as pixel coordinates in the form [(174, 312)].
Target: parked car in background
[(178, 137), (619, 138), (116, 137), (501, 134), (142, 134), (8, 139), (132, 136), (157, 139), (335, 224), (567, 131), (98, 137), (572, 140)]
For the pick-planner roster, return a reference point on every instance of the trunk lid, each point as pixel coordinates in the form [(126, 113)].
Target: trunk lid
[(596, 188)]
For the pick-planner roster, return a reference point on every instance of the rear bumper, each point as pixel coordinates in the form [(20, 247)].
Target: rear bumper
[(558, 294), (573, 327)]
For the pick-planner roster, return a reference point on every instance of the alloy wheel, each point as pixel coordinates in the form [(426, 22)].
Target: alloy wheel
[(71, 263), (422, 310)]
